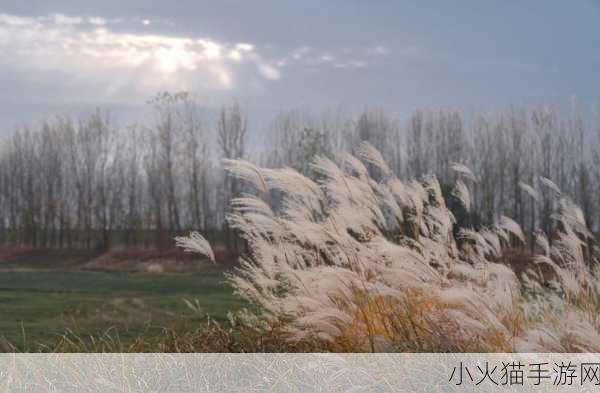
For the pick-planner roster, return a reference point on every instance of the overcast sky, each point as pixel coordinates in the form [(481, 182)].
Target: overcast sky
[(70, 56)]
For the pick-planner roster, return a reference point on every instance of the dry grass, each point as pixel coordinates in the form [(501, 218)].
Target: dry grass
[(365, 262), (210, 336)]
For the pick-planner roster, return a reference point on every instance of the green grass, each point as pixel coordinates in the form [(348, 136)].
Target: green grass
[(38, 304)]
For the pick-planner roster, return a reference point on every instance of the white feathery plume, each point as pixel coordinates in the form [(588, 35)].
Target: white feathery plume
[(196, 243), (356, 166), (495, 247), (571, 216), (510, 226), (461, 192), (463, 170), (294, 184), (542, 241), (368, 153), (529, 190), (550, 185), (246, 171), (251, 204), (400, 192)]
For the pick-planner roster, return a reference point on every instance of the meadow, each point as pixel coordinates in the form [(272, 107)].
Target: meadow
[(46, 298)]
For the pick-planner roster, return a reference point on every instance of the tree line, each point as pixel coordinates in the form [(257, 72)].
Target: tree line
[(91, 183)]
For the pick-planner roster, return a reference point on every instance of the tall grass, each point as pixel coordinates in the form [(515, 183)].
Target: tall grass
[(363, 261)]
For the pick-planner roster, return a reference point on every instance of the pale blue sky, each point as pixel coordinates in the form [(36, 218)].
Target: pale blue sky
[(72, 55)]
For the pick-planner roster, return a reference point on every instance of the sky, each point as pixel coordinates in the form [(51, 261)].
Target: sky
[(71, 56)]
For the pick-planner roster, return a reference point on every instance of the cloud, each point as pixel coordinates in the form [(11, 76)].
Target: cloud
[(93, 54), (98, 21), (351, 64), (381, 50), (301, 52), (269, 72), (60, 19), (313, 59)]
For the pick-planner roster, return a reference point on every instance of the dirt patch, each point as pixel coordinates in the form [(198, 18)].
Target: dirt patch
[(10, 254), (155, 261)]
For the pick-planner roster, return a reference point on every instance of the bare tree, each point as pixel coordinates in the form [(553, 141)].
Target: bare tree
[(231, 138)]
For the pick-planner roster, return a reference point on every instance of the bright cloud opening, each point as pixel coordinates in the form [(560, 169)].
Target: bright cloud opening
[(90, 48)]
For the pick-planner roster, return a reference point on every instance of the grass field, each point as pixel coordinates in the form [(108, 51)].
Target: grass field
[(39, 300)]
